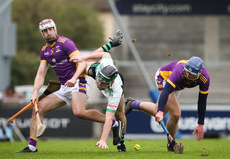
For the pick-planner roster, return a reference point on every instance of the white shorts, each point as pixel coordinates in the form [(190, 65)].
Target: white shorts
[(164, 82), (65, 93)]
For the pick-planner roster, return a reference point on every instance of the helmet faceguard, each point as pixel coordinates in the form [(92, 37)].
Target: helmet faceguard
[(107, 74), (45, 24), (194, 66)]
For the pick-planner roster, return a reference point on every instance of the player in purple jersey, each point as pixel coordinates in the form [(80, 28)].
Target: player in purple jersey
[(170, 79), (56, 52)]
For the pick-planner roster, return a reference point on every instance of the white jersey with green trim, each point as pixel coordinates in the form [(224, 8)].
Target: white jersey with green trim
[(114, 92)]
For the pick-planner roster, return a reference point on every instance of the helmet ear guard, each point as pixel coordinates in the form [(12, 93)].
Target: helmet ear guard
[(107, 74)]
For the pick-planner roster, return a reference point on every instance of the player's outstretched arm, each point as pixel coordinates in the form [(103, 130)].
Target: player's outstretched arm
[(115, 41), (91, 57), (106, 130)]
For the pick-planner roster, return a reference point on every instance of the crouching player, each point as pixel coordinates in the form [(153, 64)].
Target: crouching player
[(110, 82), (171, 79)]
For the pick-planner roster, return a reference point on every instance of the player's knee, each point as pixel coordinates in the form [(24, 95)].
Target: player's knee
[(80, 115), (119, 115), (176, 116), (41, 109)]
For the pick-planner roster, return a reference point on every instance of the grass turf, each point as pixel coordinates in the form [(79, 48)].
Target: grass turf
[(80, 149)]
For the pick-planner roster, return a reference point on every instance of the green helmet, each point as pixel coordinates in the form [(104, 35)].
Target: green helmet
[(107, 74)]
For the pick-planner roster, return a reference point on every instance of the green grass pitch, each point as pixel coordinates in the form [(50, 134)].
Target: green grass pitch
[(80, 149)]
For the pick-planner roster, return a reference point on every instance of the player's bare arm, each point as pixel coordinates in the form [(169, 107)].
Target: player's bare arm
[(39, 80), (81, 69), (106, 129), (98, 55), (115, 41)]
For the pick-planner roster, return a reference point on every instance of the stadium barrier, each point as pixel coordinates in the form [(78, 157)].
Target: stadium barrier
[(60, 123), (217, 123)]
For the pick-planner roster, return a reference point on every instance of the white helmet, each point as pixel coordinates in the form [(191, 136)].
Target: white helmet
[(47, 23)]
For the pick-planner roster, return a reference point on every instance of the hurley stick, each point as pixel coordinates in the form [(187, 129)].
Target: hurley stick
[(178, 147), (40, 127), (53, 86)]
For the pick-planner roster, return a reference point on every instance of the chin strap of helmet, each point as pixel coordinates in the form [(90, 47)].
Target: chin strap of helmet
[(51, 40)]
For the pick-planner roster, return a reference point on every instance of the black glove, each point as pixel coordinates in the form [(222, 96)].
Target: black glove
[(117, 39)]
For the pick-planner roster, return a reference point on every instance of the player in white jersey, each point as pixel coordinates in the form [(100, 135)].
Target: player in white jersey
[(110, 82)]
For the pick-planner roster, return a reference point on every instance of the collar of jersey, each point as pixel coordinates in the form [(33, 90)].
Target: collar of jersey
[(52, 44)]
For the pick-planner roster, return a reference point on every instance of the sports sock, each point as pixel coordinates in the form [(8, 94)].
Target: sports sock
[(169, 140), (122, 138), (114, 123), (107, 46), (135, 104), (33, 141)]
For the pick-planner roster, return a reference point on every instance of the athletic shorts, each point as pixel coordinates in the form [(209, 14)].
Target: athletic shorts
[(65, 93), (161, 82)]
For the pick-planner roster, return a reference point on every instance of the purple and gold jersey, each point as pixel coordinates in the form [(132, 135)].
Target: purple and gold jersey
[(58, 55), (173, 73)]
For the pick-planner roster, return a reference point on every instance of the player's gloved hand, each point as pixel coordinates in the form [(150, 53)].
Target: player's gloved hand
[(200, 132), (117, 39), (159, 116), (102, 144)]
